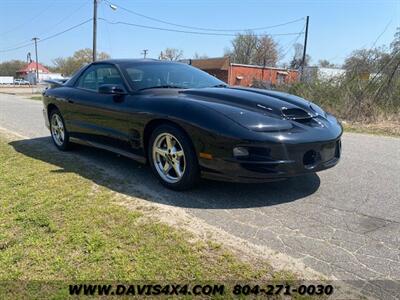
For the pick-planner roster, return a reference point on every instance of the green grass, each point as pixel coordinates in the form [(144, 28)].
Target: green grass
[(57, 226)]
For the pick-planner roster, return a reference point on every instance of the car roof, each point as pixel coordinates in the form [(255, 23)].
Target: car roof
[(122, 61)]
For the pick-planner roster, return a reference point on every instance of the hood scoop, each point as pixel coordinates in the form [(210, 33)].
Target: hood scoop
[(296, 114)]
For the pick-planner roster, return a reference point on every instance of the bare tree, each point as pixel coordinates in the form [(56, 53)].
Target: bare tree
[(324, 63), (248, 48), (395, 44), (364, 61), (244, 47), (171, 54), (198, 56), (297, 59), (266, 53)]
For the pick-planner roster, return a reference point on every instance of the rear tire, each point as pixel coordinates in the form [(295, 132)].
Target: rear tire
[(172, 158), (59, 133)]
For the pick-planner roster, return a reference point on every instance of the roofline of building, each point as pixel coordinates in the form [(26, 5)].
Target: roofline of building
[(209, 58), (262, 67)]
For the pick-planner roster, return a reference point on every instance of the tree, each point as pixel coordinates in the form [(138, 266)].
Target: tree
[(69, 65), (395, 44), (297, 59), (9, 68), (364, 61), (266, 53), (324, 63), (198, 56), (248, 48), (171, 54), (244, 48)]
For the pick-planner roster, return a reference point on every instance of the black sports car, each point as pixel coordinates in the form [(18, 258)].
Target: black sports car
[(186, 123)]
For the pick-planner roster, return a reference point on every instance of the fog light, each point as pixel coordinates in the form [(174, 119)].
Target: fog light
[(240, 152)]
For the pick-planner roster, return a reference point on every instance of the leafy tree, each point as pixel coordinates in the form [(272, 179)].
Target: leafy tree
[(69, 65), (171, 54), (9, 68)]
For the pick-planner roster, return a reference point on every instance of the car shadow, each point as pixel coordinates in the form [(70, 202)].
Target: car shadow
[(125, 176)]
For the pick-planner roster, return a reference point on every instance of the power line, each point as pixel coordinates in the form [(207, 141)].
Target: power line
[(49, 37), (16, 48), (21, 26), (290, 45), (202, 28), (79, 8), (66, 30), (144, 52), (26, 42), (186, 31)]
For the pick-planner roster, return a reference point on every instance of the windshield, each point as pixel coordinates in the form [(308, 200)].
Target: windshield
[(168, 75)]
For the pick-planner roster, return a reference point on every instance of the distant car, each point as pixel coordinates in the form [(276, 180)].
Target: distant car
[(187, 123), (21, 82)]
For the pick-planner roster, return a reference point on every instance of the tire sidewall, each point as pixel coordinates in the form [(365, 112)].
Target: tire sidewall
[(65, 144), (191, 175)]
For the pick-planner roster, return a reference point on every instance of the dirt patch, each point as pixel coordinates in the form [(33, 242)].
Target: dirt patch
[(391, 128), (22, 90)]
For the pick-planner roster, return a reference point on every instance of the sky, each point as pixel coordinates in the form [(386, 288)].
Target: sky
[(336, 28)]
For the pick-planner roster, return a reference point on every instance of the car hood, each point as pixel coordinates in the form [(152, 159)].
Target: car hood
[(259, 110)]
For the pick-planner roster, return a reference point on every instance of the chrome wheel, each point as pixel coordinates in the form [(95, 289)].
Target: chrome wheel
[(169, 157), (57, 129)]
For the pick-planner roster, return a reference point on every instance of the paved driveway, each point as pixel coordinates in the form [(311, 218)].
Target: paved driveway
[(343, 222)]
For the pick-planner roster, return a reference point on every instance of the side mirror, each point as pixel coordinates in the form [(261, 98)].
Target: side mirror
[(114, 89)]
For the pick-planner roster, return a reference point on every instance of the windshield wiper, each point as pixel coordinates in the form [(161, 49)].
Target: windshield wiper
[(220, 85), (167, 86)]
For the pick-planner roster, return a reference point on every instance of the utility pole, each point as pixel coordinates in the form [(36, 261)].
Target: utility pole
[(37, 62), (144, 52), (94, 29), (303, 61)]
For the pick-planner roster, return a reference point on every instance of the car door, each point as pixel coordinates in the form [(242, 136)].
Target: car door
[(95, 116)]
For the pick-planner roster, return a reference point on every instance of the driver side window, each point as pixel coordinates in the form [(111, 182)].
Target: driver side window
[(98, 75)]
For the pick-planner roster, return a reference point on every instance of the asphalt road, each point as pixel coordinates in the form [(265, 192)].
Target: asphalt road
[(343, 222)]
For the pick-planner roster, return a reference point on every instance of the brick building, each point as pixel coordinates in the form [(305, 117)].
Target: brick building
[(29, 73), (245, 75)]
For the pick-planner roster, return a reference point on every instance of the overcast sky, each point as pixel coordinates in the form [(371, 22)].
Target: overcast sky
[(336, 27)]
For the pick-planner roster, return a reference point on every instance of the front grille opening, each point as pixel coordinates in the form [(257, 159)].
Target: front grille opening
[(311, 159), (295, 113), (309, 122), (338, 149)]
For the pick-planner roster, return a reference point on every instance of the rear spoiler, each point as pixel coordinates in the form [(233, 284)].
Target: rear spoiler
[(56, 82)]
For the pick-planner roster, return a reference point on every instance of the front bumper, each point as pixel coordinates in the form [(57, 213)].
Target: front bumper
[(271, 162)]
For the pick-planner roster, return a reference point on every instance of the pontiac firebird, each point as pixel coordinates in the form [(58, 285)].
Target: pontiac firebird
[(187, 124)]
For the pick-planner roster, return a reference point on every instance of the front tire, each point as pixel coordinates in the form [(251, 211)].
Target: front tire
[(172, 158), (59, 133)]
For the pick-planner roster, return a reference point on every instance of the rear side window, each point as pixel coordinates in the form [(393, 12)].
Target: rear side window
[(98, 75)]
